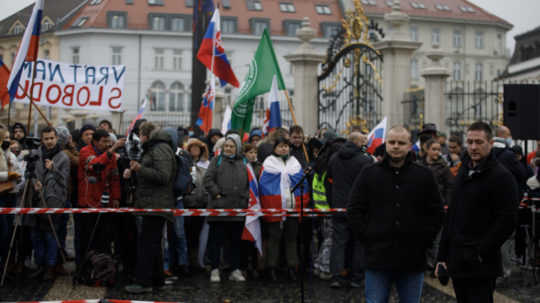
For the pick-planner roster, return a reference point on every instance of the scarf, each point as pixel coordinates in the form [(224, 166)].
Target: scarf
[(49, 153)]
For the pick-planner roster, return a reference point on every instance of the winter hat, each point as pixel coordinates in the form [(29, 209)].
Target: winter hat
[(256, 132), (236, 139), (63, 135), (19, 125), (87, 127)]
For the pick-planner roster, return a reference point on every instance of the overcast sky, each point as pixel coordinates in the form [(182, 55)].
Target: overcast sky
[(523, 14)]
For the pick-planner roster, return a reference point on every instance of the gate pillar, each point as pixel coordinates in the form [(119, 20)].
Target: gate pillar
[(435, 101), (397, 51), (305, 61)]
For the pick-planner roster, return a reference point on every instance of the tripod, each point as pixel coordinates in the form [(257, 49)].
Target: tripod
[(30, 181)]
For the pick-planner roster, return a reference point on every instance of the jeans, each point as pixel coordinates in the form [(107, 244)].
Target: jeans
[(181, 242), (379, 283), (45, 247)]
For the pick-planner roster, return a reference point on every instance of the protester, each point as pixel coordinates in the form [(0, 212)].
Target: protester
[(281, 172), (250, 153), (266, 146), (18, 132), (395, 209), (455, 147), (52, 169), (213, 136), (86, 135), (107, 125), (343, 168), (255, 136), (532, 154), (481, 217), (155, 175), (199, 152)]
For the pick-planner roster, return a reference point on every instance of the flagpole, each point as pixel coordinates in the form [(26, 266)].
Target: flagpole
[(295, 122), (31, 94)]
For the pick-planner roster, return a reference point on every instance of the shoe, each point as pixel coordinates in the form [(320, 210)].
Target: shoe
[(237, 276), (325, 276), (137, 289), (49, 274), (336, 283), (167, 273), (292, 274), (214, 276)]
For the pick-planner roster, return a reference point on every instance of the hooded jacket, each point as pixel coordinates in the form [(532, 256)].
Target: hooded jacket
[(482, 214), (155, 179), (343, 168), (443, 176)]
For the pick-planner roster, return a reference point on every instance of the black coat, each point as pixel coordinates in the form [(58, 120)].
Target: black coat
[(508, 159), (481, 216), (397, 213), (343, 168)]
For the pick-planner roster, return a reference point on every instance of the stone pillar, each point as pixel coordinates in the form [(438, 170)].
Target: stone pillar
[(397, 50), (435, 101), (305, 61)]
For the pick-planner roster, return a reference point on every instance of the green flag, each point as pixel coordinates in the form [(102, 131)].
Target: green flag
[(262, 69)]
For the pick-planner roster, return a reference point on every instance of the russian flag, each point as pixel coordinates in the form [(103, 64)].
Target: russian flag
[(4, 77), (138, 117), (252, 227), (207, 107), (28, 48), (273, 112), (376, 136), (212, 54), (226, 124)]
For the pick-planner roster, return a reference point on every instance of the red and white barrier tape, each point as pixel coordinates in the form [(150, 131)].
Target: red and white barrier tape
[(93, 301), (267, 212)]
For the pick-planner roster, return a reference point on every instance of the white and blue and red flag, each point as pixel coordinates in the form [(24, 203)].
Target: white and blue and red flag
[(212, 54), (252, 227), (4, 77), (272, 118), (226, 124), (138, 117), (204, 122), (376, 136), (277, 179), (28, 49)]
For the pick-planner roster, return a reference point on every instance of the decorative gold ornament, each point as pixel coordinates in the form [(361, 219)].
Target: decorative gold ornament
[(356, 25)]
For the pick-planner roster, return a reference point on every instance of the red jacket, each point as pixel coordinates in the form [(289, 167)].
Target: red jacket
[(109, 179)]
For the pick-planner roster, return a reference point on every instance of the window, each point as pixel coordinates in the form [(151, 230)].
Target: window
[(287, 7), (479, 40), (436, 36), (323, 9), (129, 1), (228, 25), (189, 3), (158, 23), (75, 52), (80, 22), (226, 3), (414, 33), (466, 9), (254, 5), (290, 27), (159, 58), (155, 2), (456, 74), (95, 2), (390, 3), (46, 25), (258, 26), (18, 29), (178, 24), (177, 98), (117, 20), (479, 72), (46, 54), (418, 5), (177, 59), (330, 29), (415, 75), (369, 2), (116, 55), (458, 39), (157, 96)]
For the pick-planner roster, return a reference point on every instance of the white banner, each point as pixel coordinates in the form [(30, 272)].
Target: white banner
[(74, 86)]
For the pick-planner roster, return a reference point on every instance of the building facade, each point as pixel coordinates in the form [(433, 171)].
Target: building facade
[(525, 62)]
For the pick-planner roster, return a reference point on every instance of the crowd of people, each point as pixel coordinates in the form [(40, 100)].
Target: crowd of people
[(437, 205)]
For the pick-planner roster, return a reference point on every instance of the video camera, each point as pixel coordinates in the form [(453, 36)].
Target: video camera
[(31, 143), (133, 147)]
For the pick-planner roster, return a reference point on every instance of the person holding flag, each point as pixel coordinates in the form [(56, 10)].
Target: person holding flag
[(376, 136)]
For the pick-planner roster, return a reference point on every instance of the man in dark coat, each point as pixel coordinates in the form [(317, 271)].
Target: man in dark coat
[(395, 209), (343, 168), (481, 216)]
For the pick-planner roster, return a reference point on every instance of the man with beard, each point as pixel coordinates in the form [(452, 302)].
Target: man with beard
[(395, 209)]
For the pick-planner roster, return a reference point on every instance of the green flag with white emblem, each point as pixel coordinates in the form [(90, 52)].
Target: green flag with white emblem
[(262, 69)]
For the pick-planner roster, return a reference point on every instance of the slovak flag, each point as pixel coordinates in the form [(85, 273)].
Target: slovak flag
[(28, 49), (138, 117), (4, 77), (207, 107), (252, 227), (212, 54), (376, 136), (272, 118)]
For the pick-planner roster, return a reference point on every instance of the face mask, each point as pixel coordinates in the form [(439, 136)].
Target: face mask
[(508, 142), (5, 145)]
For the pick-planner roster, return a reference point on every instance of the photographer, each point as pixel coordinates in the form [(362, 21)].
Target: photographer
[(51, 171), (99, 183)]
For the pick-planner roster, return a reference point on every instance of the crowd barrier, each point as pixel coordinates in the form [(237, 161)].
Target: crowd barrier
[(92, 301)]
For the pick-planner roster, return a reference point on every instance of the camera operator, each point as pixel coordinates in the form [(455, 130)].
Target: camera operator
[(99, 184), (155, 173), (51, 172)]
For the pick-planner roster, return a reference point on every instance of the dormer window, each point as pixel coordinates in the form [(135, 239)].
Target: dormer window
[(80, 22), (442, 7), (17, 29), (418, 5), (46, 25), (369, 2), (96, 2), (287, 7), (323, 9), (466, 9), (254, 5)]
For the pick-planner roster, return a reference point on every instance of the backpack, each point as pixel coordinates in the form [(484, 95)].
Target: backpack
[(183, 183), (98, 270)]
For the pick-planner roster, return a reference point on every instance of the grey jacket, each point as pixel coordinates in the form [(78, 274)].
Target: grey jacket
[(156, 177)]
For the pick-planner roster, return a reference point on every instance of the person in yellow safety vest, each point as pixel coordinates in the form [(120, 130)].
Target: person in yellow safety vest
[(319, 191)]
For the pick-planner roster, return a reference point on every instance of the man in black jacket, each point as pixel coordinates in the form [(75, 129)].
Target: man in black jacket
[(343, 168), (395, 209), (482, 215)]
